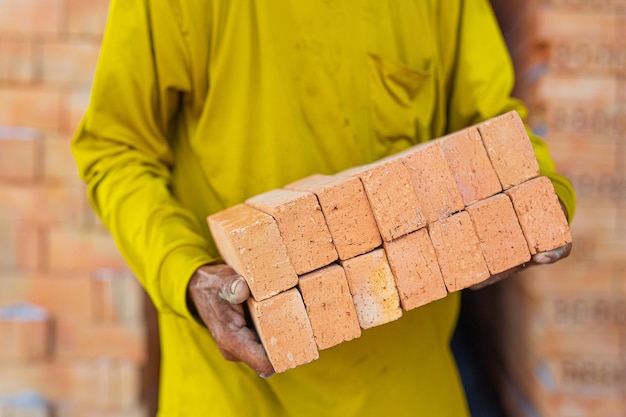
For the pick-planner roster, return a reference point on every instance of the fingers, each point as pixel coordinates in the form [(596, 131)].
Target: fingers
[(235, 290), (553, 255)]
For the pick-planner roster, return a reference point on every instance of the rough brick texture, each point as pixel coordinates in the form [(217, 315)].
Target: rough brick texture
[(540, 215), (509, 149), (346, 210), (249, 241), (373, 289), (458, 252), (470, 165), (391, 196), (284, 329), (330, 307), (432, 180), (302, 227), (414, 265), (498, 230)]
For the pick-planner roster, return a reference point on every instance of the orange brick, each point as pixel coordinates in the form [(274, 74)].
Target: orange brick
[(25, 333), (391, 196), (499, 233), (69, 61), (118, 297), (96, 249), (330, 307), (32, 106), (250, 242), (20, 155), (470, 165), (373, 289), (432, 180), (414, 265), (76, 105), (19, 60), (31, 17), (509, 149), (347, 212), (58, 162), (86, 17), (284, 329), (21, 245), (592, 91), (540, 215), (458, 252), (552, 24), (302, 227)]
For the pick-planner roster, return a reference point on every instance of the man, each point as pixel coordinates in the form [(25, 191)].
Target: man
[(199, 104)]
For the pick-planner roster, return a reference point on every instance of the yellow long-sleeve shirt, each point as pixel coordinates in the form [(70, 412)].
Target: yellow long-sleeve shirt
[(198, 104)]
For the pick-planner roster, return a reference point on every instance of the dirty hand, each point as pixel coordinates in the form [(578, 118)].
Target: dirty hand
[(217, 293)]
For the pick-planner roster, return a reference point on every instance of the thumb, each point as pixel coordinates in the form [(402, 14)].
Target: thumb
[(235, 290)]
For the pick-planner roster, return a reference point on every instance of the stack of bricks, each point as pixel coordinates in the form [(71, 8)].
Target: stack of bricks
[(567, 357), (72, 326), (327, 256)]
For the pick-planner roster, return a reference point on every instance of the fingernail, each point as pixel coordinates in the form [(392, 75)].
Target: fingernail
[(235, 285)]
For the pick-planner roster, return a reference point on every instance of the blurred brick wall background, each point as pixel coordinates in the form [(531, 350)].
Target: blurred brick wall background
[(74, 325)]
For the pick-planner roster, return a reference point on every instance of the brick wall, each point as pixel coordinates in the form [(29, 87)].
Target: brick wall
[(73, 327)]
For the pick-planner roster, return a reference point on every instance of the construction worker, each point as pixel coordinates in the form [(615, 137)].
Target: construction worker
[(199, 104)]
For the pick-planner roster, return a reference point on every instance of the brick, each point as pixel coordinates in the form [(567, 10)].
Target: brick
[(117, 297), (578, 57), (86, 17), (302, 226), (76, 105), (250, 242), (79, 339), (470, 165), (25, 333), (566, 25), (284, 329), (21, 245), (69, 61), (59, 165), (373, 289), (347, 212), (19, 60), (96, 249), (391, 196), (501, 239), (596, 91), (432, 181), (31, 17), (458, 252), (509, 149), (414, 265), (24, 404), (32, 106), (330, 307), (20, 155), (540, 215)]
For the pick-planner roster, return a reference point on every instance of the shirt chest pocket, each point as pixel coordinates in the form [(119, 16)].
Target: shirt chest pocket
[(402, 102)]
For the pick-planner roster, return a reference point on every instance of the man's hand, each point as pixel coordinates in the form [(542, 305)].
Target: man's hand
[(217, 293)]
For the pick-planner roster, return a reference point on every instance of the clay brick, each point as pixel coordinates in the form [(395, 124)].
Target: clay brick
[(117, 297), (347, 212), (373, 289), (86, 17), (414, 265), (20, 155), (302, 227), (58, 162), (32, 106), (432, 180), (250, 242), (97, 250), (470, 165), (69, 61), (330, 307), (284, 329), (596, 91), (391, 196), (458, 252), (76, 105), (31, 17), (540, 215), (19, 60), (509, 149), (499, 233), (25, 333), (21, 245)]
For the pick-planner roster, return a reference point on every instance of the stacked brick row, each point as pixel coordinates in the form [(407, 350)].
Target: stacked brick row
[(566, 357), (72, 325), (327, 256)]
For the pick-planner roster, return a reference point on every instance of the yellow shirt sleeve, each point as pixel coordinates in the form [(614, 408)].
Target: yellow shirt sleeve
[(123, 154), (483, 71)]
